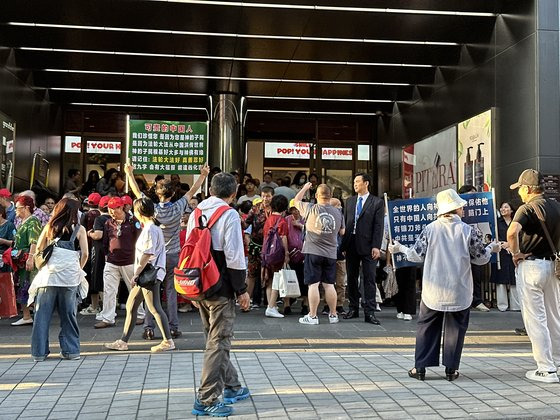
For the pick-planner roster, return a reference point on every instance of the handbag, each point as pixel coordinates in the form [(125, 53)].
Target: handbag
[(148, 277), (540, 216), (8, 307), (390, 286), (287, 283), (42, 257)]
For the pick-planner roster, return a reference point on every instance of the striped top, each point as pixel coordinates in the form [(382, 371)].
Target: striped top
[(169, 216)]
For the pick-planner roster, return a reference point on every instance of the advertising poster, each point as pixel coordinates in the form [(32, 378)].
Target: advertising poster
[(408, 217), (430, 165), (8, 133), (167, 147), (474, 151)]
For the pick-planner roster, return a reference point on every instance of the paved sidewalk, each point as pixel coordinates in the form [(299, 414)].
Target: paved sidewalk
[(303, 384)]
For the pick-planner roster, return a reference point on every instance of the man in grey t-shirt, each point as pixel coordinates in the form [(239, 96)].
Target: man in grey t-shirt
[(323, 225)]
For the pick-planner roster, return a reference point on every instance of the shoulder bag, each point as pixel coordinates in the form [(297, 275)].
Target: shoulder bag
[(42, 257), (540, 216), (148, 277)]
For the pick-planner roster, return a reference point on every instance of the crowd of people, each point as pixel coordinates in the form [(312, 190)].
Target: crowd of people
[(336, 249)]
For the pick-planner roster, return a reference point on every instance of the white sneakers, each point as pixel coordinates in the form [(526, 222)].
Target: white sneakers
[(273, 313), (333, 319), (309, 320), (90, 310), (22, 321), (482, 308), (406, 317), (548, 377)]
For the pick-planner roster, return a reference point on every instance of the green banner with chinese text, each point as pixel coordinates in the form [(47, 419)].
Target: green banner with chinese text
[(167, 147)]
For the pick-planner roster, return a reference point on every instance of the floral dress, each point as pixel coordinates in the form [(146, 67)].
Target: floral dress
[(26, 235)]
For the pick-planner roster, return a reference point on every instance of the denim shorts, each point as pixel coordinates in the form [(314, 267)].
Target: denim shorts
[(319, 269)]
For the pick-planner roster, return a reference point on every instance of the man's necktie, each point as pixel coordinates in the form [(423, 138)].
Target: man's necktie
[(359, 207)]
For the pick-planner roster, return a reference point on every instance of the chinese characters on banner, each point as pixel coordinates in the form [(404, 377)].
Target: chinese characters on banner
[(407, 218), (167, 147)]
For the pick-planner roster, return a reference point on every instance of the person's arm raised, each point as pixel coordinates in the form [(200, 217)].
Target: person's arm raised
[(129, 171), (204, 171)]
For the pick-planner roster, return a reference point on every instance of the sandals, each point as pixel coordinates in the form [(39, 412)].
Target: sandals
[(417, 373)]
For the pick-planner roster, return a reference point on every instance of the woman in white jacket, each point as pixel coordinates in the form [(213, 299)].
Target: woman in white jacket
[(447, 246)]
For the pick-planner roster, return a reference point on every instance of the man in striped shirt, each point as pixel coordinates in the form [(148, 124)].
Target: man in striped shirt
[(168, 214)]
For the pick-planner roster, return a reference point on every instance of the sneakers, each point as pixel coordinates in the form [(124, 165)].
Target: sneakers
[(520, 331), (117, 345), (165, 345), (88, 311), (175, 333), (67, 356), (231, 396), (333, 319), (400, 315), (407, 317), (482, 308), (548, 377), (217, 409), (273, 313), (309, 320), (103, 324), (377, 307), (22, 321), (184, 308), (148, 334)]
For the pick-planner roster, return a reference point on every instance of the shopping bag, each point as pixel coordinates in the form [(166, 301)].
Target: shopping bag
[(288, 286), (390, 283), (8, 306)]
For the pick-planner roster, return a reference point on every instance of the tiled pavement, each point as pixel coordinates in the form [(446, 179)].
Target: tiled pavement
[(361, 376)]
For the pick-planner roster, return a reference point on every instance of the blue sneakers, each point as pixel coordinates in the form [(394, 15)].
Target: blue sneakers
[(217, 409), (231, 396)]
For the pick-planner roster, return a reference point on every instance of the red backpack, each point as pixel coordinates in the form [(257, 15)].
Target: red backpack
[(198, 276)]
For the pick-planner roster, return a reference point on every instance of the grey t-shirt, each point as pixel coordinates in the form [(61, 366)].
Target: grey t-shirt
[(323, 222)]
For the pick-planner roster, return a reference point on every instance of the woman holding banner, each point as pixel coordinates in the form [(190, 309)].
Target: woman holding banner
[(447, 246)]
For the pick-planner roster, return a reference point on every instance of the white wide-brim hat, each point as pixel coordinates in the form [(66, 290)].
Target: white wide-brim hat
[(449, 200)]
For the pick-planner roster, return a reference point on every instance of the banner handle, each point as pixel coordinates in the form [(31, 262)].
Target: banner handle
[(389, 230), (496, 227)]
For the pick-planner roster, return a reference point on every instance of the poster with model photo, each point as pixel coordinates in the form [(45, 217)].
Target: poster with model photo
[(474, 151), (430, 165)]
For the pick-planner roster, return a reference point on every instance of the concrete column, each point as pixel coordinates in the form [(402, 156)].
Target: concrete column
[(227, 146)]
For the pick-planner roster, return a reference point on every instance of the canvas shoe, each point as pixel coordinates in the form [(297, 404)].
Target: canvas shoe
[(407, 317), (118, 345), (88, 311), (231, 396), (482, 308), (67, 356), (22, 321), (273, 313), (165, 345), (333, 319), (309, 320), (400, 315), (218, 409), (548, 377)]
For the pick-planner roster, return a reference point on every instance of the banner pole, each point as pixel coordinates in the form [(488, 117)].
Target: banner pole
[(496, 226), (389, 230), (126, 158)]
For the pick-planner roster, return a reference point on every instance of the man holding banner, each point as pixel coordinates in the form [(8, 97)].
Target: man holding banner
[(447, 246)]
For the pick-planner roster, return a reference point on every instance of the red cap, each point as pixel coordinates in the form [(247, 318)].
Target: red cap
[(5, 193), (115, 203), (104, 201), (126, 200), (93, 199)]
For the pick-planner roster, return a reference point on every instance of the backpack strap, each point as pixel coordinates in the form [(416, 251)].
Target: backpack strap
[(75, 232), (198, 218), (217, 214), (541, 218)]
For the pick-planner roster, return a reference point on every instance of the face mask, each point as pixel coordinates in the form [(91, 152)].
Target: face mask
[(301, 181)]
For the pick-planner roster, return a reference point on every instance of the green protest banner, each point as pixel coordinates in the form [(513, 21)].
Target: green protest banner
[(167, 147)]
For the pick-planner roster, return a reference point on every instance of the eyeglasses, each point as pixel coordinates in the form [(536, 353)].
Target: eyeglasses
[(20, 207)]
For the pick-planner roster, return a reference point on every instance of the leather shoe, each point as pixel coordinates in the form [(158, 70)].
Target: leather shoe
[(352, 313), (371, 319), (417, 373)]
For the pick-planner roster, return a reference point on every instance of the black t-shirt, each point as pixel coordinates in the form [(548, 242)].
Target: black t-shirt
[(532, 238)]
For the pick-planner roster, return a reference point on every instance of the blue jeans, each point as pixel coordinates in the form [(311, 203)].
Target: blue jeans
[(63, 299)]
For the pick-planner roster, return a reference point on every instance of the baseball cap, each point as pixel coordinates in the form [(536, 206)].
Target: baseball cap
[(115, 203), (528, 177), (104, 201), (126, 200), (5, 193), (292, 203), (257, 201), (93, 199)]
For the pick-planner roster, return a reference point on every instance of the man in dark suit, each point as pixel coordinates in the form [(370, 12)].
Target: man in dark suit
[(362, 243)]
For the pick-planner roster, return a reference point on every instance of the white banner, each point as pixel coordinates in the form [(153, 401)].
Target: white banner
[(73, 145), (302, 150)]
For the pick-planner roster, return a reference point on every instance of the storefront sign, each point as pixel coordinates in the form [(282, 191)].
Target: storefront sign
[(302, 151), (407, 218), (429, 166), (73, 144), (552, 186), (169, 147), (475, 151)]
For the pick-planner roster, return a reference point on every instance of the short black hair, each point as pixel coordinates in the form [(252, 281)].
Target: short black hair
[(73, 172), (145, 207), (267, 189), (165, 188), (365, 178), (279, 203), (467, 188), (159, 178), (246, 207)]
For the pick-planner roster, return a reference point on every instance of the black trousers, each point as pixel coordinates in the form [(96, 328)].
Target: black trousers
[(353, 261), (406, 297), (477, 276), (428, 337)]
